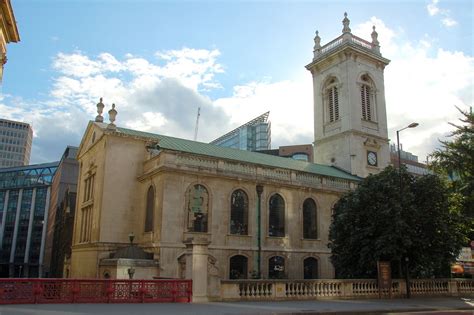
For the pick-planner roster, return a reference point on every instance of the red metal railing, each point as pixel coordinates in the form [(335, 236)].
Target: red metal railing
[(32, 291)]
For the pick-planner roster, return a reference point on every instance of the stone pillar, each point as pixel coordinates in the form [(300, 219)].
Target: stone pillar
[(198, 260)]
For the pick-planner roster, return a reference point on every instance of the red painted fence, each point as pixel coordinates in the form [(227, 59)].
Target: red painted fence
[(30, 291)]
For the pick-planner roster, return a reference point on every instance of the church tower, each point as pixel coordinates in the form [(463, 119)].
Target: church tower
[(350, 120)]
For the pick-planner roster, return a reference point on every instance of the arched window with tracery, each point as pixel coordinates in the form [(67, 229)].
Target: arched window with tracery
[(276, 267), (197, 208), (239, 205), (367, 98), (310, 268), (276, 218), (150, 209), (238, 267), (310, 219), (331, 100)]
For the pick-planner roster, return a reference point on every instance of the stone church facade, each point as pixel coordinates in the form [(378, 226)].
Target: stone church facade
[(167, 191), (248, 214)]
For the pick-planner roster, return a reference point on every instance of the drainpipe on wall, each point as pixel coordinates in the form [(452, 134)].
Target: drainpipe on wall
[(259, 232)]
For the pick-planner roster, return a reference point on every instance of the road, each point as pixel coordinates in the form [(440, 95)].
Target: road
[(452, 306)]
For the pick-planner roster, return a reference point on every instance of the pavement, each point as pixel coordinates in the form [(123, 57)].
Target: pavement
[(418, 306)]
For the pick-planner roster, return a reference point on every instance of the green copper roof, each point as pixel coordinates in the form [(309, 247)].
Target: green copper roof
[(183, 145)]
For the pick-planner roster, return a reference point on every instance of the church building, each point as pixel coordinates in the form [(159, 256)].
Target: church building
[(249, 214), (350, 119)]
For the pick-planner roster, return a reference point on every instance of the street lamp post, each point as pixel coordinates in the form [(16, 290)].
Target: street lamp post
[(259, 189), (412, 125)]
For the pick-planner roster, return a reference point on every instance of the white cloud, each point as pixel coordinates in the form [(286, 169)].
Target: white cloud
[(449, 22), (155, 96), (289, 103), (433, 8), (422, 83), (445, 15)]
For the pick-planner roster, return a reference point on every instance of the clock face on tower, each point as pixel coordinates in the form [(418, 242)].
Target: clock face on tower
[(372, 158)]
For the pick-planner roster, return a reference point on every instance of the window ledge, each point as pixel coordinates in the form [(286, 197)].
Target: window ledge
[(240, 235), (198, 233), (371, 123)]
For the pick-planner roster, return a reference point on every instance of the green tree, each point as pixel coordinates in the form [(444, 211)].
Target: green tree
[(455, 159), (377, 221)]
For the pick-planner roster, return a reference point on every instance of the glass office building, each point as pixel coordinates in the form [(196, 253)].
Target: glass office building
[(252, 136), (15, 143), (24, 202)]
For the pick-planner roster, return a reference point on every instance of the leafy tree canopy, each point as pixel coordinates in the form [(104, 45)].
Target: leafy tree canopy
[(378, 221), (455, 159)]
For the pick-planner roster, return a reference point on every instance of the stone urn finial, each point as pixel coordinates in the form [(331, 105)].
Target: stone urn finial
[(345, 22), (112, 115), (100, 108)]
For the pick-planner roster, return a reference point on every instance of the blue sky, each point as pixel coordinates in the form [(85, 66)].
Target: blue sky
[(160, 60)]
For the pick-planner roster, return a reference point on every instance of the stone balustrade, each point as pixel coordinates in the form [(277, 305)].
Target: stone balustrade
[(331, 45), (350, 38), (235, 290), (361, 42)]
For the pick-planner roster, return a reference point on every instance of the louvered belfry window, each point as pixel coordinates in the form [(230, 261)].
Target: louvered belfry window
[(239, 205), (310, 228), (276, 224), (333, 104), (150, 207), (238, 267), (365, 102)]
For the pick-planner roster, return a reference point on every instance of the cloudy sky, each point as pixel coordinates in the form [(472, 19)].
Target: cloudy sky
[(158, 61)]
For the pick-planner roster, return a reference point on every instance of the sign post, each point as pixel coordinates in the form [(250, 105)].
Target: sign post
[(384, 278)]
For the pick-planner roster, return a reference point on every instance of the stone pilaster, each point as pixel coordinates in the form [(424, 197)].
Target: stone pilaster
[(197, 266)]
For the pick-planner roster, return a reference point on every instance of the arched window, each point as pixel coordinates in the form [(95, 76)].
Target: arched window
[(310, 268), (198, 208), (276, 267), (367, 98), (276, 218), (310, 220), (150, 208), (238, 267), (331, 99), (239, 205)]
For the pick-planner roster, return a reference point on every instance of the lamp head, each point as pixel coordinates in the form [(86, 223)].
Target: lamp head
[(413, 125)]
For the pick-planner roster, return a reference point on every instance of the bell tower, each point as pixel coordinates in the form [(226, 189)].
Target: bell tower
[(350, 120)]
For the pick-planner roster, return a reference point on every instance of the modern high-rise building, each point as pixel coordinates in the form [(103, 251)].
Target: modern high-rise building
[(252, 136), (24, 204), (8, 31), (15, 143), (61, 214)]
